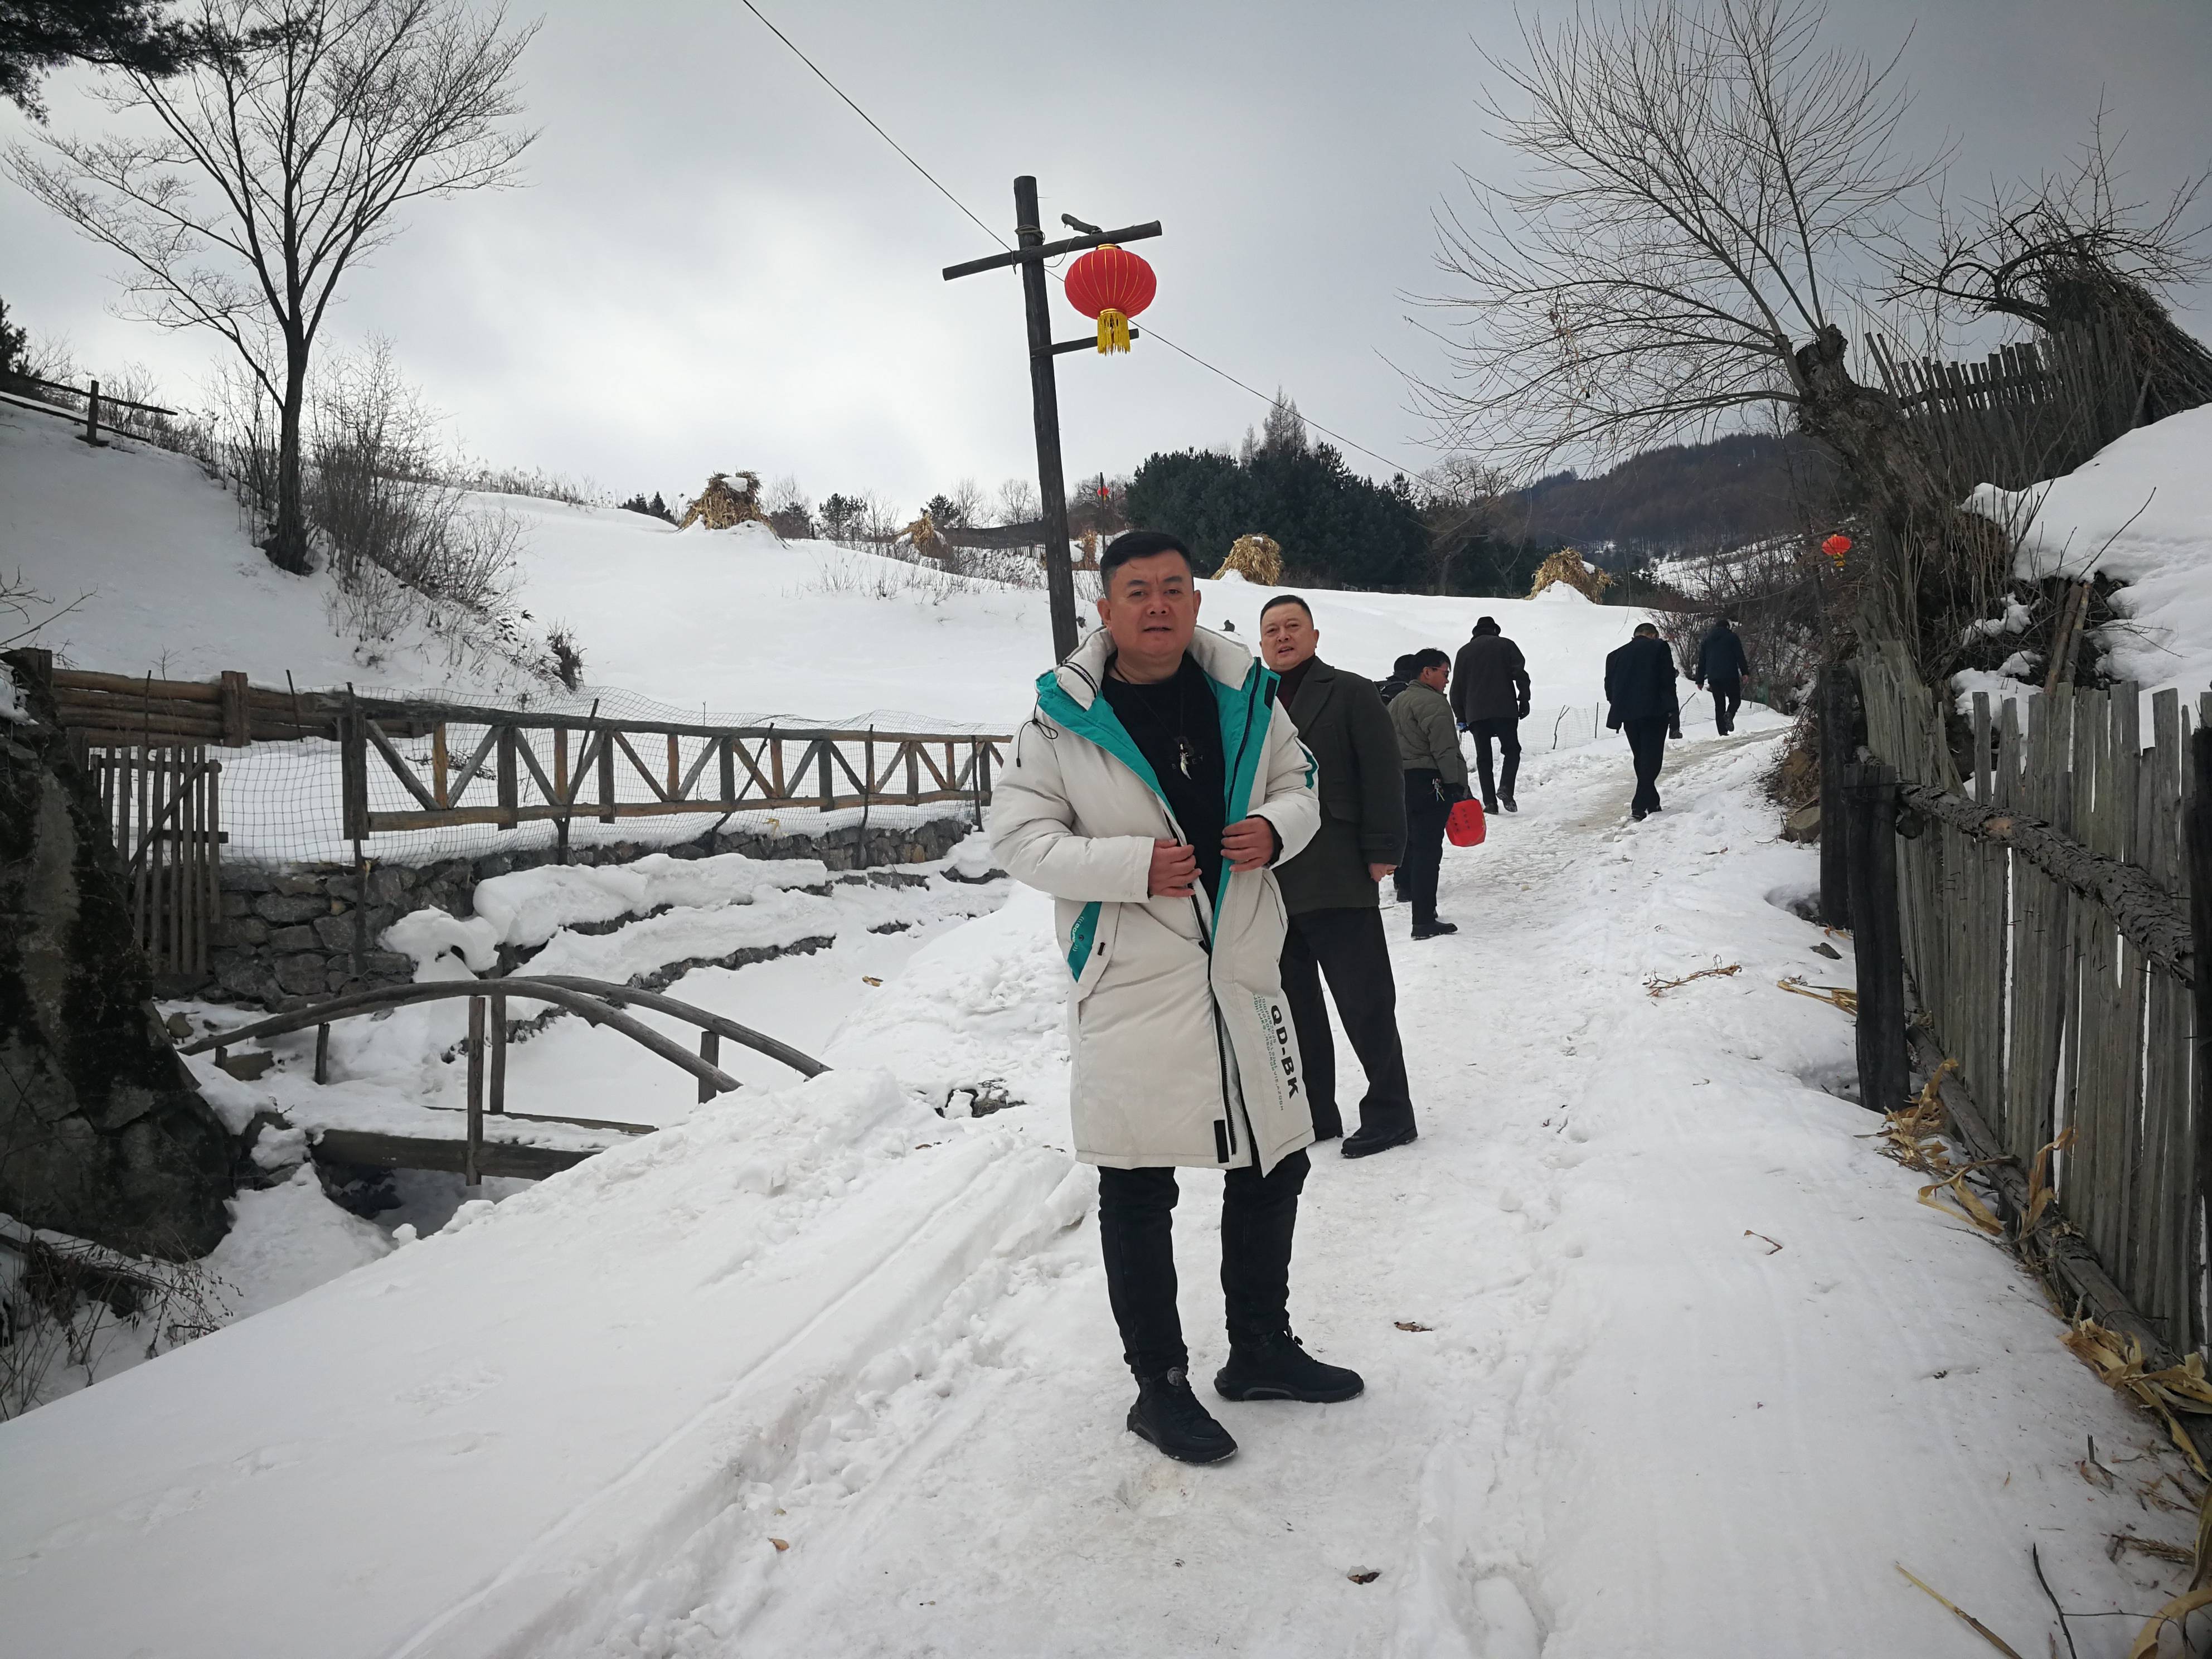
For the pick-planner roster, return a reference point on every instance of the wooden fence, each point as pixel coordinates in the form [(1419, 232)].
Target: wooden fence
[(163, 810), (2024, 413), (120, 710), (503, 766), (517, 766), (2045, 928)]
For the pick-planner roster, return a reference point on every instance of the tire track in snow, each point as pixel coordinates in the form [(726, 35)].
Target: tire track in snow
[(929, 1250)]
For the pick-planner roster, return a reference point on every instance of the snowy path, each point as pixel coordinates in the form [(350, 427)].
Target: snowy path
[(1633, 1429), (577, 1424)]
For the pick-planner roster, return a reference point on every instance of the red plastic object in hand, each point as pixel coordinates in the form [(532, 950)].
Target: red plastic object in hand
[(1466, 826)]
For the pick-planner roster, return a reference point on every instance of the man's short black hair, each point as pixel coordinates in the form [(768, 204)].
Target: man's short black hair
[(1429, 657), (1139, 544), (1285, 598), (1649, 630), (1405, 668)]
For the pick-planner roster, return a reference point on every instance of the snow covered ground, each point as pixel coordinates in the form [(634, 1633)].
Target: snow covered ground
[(1662, 1357)]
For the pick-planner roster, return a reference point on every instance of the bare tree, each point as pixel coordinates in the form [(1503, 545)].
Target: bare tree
[(1712, 193), (2073, 248), (790, 510), (1462, 501), (273, 168), (1709, 188), (1017, 502)]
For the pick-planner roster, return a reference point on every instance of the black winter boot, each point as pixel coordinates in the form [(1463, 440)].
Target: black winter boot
[(1274, 1366), (1365, 1143), (1168, 1414)]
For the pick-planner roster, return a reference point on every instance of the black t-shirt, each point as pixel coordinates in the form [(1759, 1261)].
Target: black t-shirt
[(1177, 727)]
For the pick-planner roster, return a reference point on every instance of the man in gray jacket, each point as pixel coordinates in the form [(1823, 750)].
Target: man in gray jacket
[(1435, 776), (1329, 890), (1156, 785)]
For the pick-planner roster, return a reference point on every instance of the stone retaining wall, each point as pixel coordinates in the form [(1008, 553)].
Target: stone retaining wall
[(294, 935)]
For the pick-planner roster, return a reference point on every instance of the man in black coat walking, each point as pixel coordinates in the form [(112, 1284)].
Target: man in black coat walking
[(1490, 698), (1330, 888), (1722, 669), (1639, 685)]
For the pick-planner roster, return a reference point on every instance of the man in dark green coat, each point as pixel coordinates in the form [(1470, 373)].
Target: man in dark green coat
[(1330, 888)]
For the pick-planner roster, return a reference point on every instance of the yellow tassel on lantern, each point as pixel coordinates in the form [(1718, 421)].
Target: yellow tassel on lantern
[(1113, 331)]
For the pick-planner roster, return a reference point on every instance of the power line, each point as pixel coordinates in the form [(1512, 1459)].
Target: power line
[(1151, 333), (871, 120)]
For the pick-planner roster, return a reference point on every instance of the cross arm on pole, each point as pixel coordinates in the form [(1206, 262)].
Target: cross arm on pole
[(1064, 347), (1045, 251)]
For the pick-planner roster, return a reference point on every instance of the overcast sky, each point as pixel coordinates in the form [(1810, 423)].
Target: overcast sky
[(717, 265)]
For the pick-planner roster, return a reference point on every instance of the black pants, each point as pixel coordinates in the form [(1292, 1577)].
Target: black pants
[(1425, 843), (1728, 697), (1348, 945), (1136, 1228), (1507, 732), (1647, 742)]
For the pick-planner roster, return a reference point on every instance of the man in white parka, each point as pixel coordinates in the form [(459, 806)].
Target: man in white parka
[(1156, 784)]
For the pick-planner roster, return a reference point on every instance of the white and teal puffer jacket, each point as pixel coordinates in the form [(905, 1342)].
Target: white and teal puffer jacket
[(1182, 1048)]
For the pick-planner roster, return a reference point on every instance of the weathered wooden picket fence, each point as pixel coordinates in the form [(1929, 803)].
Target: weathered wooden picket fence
[(2046, 926), (2029, 412), (163, 811)]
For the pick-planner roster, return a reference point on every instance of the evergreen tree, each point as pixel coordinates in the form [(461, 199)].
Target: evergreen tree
[(842, 515), (39, 36), (12, 340), (655, 508), (1335, 526)]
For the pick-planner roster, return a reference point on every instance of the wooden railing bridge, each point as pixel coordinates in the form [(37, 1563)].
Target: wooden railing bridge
[(473, 1157)]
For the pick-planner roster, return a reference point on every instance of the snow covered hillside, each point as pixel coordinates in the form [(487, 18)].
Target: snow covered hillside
[(733, 622), (1662, 1357)]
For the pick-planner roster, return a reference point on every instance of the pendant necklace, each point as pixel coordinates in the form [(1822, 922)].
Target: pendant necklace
[(1186, 750)]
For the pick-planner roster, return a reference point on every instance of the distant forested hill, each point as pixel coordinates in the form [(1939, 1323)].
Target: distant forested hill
[(1686, 498)]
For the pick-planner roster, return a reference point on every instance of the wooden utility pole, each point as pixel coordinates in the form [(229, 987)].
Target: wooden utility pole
[(1031, 253)]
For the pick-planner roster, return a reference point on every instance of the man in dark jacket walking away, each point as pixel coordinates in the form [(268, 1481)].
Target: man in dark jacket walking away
[(1330, 888), (1722, 669), (1490, 696), (1402, 676), (1639, 685), (1436, 777)]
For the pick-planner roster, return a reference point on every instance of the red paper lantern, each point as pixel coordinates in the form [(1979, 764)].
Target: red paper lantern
[(1112, 284), (1836, 546)]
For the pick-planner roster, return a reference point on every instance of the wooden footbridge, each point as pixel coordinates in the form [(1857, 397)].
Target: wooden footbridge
[(475, 1155)]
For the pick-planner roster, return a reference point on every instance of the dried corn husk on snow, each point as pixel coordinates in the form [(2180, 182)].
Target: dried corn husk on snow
[(1566, 566), (927, 540), (1256, 558), (723, 505)]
